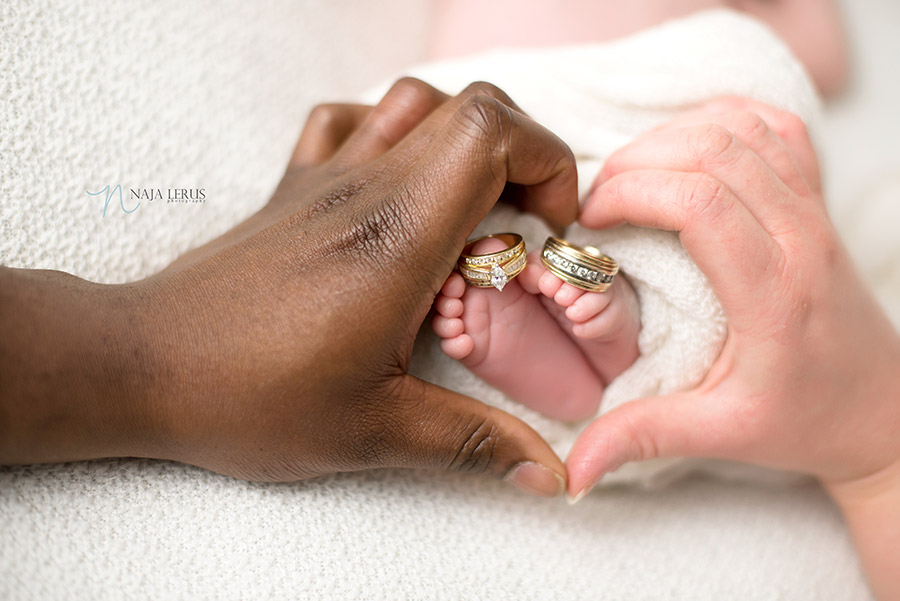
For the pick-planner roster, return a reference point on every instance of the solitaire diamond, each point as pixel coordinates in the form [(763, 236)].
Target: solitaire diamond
[(498, 277)]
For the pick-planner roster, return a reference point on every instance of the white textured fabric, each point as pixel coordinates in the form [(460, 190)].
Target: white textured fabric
[(173, 95), (870, 226), (213, 94)]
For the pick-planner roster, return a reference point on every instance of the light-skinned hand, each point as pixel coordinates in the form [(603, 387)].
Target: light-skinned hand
[(809, 378)]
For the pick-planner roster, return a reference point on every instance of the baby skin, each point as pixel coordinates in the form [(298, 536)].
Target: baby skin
[(543, 342)]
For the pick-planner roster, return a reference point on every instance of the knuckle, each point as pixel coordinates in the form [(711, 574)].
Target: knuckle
[(484, 88), (641, 445), (617, 188), (750, 125), (710, 144), (410, 89), (793, 127), (704, 197), (325, 115), (623, 440), (475, 452), (486, 117)]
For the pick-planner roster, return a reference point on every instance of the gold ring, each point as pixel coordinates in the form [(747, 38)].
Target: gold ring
[(583, 267), (493, 269)]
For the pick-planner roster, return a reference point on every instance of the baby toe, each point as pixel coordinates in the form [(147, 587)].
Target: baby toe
[(549, 284), (567, 294), (447, 327), (587, 306), (458, 347), (530, 277), (448, 307), (454, 287), (602, 325)]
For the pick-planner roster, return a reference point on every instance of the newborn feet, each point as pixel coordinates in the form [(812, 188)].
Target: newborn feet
[(543, 342)]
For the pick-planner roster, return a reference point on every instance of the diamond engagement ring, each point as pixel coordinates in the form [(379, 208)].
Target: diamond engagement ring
[(493, 269), (583, 267)]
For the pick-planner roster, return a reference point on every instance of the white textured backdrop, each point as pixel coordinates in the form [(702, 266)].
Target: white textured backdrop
[(213, 94)]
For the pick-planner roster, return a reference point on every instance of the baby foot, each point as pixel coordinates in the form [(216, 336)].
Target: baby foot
[(550, 348), (605, 326), (510, 340)]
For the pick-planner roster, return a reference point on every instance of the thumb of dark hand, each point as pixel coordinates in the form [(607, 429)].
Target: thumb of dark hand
[(443, 429)]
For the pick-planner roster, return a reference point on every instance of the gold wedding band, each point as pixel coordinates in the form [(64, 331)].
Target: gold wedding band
[(493, 269), (583, 267)]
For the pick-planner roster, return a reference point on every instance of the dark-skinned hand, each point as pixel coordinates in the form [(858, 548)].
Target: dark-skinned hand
[(280, 350)]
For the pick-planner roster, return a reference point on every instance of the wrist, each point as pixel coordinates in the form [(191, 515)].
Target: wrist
[(858, 493), (870, 447), (869, 506), (78, 373), (129, 368)]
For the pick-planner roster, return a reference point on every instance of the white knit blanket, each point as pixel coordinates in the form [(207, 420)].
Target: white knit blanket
[(180, 94)]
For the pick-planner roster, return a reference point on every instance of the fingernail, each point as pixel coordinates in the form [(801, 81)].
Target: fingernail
[(581, 494), (536, 479)]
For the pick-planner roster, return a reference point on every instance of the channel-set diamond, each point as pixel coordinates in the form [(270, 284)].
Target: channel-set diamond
[(577, 270), (492, 258)]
